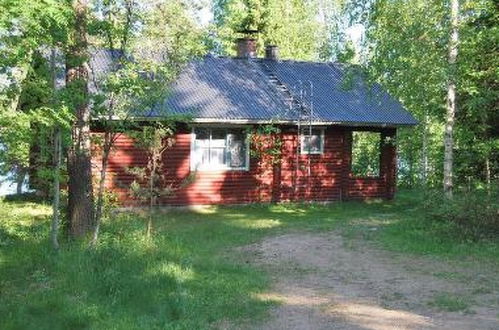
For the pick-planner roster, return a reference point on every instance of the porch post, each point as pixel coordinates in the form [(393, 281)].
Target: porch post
[(346, 163), (388, 161)]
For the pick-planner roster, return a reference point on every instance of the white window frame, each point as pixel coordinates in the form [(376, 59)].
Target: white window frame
[(215, 167), (304, 133)]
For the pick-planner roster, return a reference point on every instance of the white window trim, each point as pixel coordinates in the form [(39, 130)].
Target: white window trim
[(214, 167), (304, 133)]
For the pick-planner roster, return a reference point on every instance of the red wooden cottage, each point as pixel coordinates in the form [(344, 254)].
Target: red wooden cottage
[(317, 106)]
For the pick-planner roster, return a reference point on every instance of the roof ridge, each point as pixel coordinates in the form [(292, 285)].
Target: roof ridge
[(263, 59), (306, 62), (229, 88)]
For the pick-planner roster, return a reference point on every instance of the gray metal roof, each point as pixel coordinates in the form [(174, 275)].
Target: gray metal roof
[(234, 89), (223, 89), (102, 61), (338, 95), (241, 89)]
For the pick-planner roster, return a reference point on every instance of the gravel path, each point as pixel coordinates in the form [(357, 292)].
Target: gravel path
[(324, 281)]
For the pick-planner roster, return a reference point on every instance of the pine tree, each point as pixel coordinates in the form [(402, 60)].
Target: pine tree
[(80, 190)]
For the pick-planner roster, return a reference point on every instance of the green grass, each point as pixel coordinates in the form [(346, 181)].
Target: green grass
[(401, 226), (450, 303), (191, 274)]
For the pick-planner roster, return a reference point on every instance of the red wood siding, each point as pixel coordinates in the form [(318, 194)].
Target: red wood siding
[(328, 178)]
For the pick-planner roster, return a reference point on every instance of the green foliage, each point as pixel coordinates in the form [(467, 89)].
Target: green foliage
[(406, 44), (114, 22), (475, 212), (366, 153), (26, 132), (170, 35), (409, 57), (191, 275), (347, 55), (291, 25), (155, 137), (478, 119), (28, 111), (24, 26), (150, 180), (15, 137), (265, 143), (126, 281)]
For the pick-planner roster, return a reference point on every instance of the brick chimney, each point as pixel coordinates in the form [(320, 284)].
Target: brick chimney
[(272, 52), (246, 47)]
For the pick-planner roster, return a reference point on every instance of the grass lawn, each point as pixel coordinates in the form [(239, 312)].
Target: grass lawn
[(189, 276)]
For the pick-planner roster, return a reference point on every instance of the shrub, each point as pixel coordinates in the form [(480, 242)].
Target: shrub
[(474, 212)]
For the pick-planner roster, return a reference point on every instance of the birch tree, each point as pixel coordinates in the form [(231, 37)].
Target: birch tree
[(451, 99)]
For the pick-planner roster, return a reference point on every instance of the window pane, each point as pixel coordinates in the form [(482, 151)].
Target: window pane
[(205, 156), (218, 133), (312, 143), (218, 136), (202, 137), (218, 148), (202, 134), (217, 156), (236, 149), (201, 156)]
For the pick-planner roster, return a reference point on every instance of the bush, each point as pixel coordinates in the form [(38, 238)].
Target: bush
[(474, 212)]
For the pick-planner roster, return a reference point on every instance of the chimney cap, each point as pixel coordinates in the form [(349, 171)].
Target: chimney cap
[(248, 31), (246, 47), (272, 52)]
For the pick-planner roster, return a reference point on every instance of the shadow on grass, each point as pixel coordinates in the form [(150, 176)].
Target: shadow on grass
[(189, 276), (176, 280)]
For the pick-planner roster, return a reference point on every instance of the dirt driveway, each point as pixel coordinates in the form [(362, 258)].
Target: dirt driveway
[(324, 281)]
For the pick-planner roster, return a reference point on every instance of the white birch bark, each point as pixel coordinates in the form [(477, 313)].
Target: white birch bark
[(451, 100)]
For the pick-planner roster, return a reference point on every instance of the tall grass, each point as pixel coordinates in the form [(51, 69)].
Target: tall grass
[(191, 274), (178, 280)]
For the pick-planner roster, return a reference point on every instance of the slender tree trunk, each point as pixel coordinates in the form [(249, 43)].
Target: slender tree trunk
[(487, 173), (100, 194), (80, 191), (425, 151), (21, 174), (152, 198), (411, 168), (54, 228), (451, 100)]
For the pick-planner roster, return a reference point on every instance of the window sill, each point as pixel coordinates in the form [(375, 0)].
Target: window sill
[(220, 169), (305, 153), (365, 177)]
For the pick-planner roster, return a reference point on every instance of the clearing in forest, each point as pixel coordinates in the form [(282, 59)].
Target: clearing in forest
[(326, 281)]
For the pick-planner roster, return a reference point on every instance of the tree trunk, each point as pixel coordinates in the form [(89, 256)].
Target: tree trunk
[(451, 100), (487, 173), (100, 194), (54, 228), (80, 193), (152, 197), (21, 174), (425, 150)]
